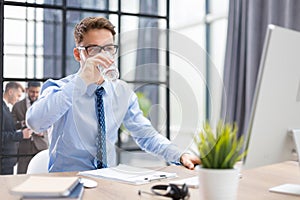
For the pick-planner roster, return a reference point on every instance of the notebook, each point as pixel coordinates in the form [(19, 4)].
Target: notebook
[(46, 186), (76, 194)]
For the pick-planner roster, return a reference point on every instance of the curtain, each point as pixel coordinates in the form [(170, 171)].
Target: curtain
[(247, 25)]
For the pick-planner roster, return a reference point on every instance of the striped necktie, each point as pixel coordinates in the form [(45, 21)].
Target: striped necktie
[(100, 160)]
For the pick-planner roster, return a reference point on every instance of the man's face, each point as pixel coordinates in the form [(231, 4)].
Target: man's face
[(14, 95), (100, 37), (33, 93)]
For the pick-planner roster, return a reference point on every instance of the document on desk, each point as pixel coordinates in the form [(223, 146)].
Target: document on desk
[(129, 174)]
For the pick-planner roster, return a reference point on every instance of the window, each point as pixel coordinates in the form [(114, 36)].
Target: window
[(38, 44), (162, 53)]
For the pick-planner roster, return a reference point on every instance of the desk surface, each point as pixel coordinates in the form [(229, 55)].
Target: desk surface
[(254, 184)]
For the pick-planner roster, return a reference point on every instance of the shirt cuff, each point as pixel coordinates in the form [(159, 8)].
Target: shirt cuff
[(19, 136)]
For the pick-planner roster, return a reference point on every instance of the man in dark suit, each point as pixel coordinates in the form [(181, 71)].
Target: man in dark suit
[(39, 141), (11, 137)]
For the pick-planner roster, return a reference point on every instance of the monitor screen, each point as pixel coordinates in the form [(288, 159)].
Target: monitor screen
[(276, 104)]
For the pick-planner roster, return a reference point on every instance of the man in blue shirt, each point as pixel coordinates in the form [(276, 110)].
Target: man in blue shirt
[(67, 105)]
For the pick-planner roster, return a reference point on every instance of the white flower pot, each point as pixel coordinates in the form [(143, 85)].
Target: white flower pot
[(218, 184)]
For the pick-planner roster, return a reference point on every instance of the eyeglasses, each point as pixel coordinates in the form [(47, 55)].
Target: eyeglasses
[(92, 50), (171, 190)]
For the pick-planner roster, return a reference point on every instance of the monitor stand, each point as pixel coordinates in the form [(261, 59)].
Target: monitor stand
[(293, 189)]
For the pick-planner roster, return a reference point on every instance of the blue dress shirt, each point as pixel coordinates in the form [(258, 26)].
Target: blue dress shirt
[(67, 105)]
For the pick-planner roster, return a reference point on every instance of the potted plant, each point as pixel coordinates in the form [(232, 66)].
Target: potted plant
[(219, 151)]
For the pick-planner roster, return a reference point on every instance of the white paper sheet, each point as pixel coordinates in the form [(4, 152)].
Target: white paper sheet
[(129, 174)]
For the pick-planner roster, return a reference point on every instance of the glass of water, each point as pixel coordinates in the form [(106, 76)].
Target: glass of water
[(111, 73)]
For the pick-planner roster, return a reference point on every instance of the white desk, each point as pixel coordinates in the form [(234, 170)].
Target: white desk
[(254, 184)]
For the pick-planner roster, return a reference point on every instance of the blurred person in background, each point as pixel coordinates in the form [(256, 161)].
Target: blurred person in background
[(10, 136), (39, 141)]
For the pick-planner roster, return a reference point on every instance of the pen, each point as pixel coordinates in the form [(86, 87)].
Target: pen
[(153, 178)]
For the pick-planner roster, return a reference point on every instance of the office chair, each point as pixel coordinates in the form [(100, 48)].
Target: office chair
[(39, 163)]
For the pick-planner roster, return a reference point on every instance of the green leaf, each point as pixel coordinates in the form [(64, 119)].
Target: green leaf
[(220, 149)]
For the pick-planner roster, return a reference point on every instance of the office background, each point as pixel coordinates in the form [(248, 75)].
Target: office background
[(37, 44), (183, 78)]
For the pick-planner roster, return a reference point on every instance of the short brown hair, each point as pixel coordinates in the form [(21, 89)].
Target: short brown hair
[(13, 85), (91, 23)]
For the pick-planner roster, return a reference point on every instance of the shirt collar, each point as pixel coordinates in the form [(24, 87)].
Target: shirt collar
[(28, 104), (8, 105), (92, 88), (5, 102)]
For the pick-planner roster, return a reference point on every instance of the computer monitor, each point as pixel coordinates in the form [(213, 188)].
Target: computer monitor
[(276, 104)]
